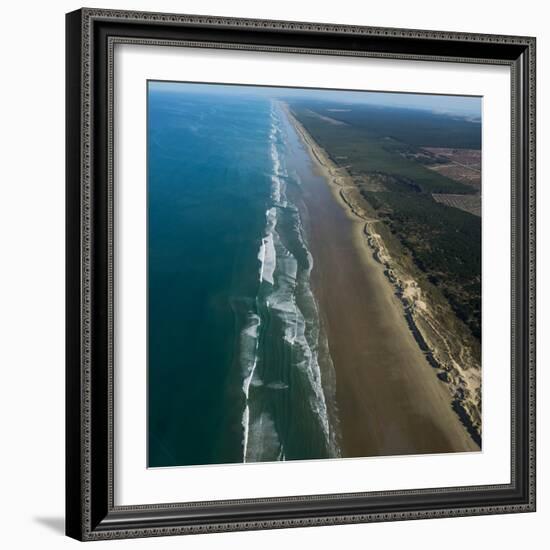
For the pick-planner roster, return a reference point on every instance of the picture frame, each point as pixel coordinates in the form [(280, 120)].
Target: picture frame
[(91, 510)]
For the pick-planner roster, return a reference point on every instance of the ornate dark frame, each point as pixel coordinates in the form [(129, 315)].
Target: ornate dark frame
[(90, 510)]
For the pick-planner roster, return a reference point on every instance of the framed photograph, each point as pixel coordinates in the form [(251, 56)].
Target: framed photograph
[(300, 274)]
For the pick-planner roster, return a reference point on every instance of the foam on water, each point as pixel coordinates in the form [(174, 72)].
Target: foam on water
[(267, 254), (289, 286), (249, 361), (264, 434)]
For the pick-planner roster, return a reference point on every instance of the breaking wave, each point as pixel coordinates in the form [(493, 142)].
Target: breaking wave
[(282, 338)]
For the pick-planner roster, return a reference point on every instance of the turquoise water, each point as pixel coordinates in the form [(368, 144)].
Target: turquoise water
[(238, 367)]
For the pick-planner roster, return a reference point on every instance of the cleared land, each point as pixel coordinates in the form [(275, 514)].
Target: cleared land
[(466, 157), (463, 165), (468, 203)]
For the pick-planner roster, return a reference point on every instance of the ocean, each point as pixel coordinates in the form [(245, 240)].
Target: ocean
[(238, 363)]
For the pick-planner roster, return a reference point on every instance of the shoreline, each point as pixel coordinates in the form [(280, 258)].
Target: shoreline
[(411, 365)]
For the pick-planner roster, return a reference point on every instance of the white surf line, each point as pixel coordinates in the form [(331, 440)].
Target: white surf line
[(262, 253), (261, 257), (246, 390)]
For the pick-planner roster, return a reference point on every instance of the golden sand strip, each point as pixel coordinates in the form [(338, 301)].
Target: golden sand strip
[(390, 400)]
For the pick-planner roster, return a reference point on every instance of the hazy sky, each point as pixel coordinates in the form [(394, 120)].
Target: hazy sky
[(458, 105)]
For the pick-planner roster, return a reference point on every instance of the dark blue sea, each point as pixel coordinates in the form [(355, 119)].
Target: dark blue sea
[(238, 366)]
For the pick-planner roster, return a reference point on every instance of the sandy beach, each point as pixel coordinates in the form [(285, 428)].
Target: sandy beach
[(389, 399)]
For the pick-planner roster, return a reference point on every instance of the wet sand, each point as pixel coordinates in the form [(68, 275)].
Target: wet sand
[(389, 398)]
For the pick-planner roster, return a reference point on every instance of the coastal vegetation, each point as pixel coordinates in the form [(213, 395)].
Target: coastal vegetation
[(382, 150)]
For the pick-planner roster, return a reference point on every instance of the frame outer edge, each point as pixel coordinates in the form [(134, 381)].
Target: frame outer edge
[(79, 54), (87, 214), (532, 248), (73, 292), (307, 26)]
